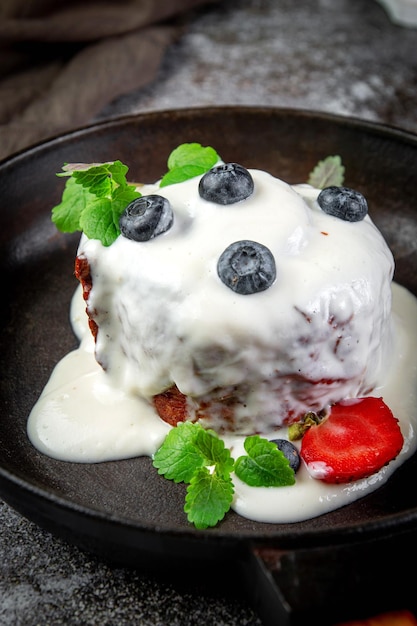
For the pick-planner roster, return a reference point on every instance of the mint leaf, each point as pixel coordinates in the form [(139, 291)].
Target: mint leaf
[(265, 465), (187, 161), (180, 174), (101, 179), (97, 180), (66, 215), (194, 153), (96, 221), (208, 498), (121, 197), (328, 172), (93, 200), (214, 451), (179, 457)]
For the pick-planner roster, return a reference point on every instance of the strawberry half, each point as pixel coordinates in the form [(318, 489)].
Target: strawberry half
[(356, 440)]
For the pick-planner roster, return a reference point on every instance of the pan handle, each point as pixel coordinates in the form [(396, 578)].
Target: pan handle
[(332, 583)]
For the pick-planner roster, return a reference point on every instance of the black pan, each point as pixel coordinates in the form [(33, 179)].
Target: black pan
[(337, 564)]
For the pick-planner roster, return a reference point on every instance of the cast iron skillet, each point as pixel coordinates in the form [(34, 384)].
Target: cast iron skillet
[(123, 511)]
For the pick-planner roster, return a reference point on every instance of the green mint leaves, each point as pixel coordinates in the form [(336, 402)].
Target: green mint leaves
[(328, 172), (199, 458), (96, 194), (189, 447), (94, 198), (264, 465), (196, 456), (187, 161)]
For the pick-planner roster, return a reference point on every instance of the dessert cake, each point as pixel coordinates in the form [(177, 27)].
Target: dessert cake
[(239, 301)]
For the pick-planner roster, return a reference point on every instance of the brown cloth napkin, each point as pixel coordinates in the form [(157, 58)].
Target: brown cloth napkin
[(61, 62)]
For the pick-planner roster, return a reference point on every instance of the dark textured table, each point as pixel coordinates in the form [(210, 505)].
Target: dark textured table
[(337, 56)]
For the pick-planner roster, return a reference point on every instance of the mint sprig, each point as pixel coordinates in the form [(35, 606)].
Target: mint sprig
[(187, 161), (328, 172), (196, 456), (199, 458), (93, 200), (96, 194)]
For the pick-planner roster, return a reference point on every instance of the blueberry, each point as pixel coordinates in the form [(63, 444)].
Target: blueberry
[(226, 184), (289, 451), (146, 217), (342, 202), (247, 267)]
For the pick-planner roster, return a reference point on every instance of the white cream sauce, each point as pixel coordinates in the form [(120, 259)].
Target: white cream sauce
[(80, 417)]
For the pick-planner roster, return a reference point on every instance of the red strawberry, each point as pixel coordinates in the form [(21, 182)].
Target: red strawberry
[(357, 438)]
